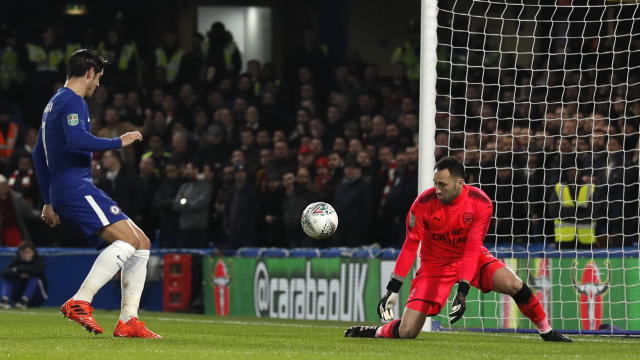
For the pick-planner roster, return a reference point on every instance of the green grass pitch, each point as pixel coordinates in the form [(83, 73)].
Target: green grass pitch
[(44, 334)]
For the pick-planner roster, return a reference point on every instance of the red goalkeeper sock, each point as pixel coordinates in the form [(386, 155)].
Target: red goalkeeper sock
[(389, 330), (531, 308)]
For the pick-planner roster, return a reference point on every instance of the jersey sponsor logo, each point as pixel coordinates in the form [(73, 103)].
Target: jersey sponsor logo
[(455, 237), (72, 119), (114, 210), (467, 218)]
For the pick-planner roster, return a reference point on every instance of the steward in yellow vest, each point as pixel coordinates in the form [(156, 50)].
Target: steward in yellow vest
[(575, 220)]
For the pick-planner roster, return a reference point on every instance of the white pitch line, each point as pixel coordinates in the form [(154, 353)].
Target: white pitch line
[(252, 323)]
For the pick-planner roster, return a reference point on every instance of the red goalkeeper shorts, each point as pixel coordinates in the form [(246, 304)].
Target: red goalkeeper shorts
[(431, 287)]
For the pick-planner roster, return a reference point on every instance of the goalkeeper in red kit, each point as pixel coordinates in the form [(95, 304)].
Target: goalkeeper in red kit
[(450, 220)]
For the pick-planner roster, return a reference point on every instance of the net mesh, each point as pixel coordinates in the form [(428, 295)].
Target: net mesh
[(541, 102)]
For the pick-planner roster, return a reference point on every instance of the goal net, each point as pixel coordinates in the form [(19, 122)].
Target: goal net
[(541, 100)]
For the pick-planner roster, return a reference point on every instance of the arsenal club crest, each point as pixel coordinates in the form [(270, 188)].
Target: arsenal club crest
[(467, 218)]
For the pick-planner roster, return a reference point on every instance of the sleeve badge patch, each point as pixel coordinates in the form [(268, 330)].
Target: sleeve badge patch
[(72, 119), (412, 220)]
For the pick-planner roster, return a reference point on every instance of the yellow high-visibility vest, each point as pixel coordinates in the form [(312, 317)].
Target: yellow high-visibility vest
[(172, 65), (567, 231), (45, 60)]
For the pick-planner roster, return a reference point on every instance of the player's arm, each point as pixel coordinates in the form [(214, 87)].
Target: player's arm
[(44, 180), (475, 237), (76, 134), (415, 233)]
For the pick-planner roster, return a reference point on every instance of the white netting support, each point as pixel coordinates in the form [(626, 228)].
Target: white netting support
[(541, 100)]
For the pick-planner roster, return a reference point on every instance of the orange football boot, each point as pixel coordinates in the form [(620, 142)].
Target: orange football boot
[(134, 328), (80, 312)]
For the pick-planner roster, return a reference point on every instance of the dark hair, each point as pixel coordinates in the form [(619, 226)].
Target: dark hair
[(452, 164), (84, 59)]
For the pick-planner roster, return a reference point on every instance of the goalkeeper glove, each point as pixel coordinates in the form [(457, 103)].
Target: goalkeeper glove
[(459, 303), (386, 304)]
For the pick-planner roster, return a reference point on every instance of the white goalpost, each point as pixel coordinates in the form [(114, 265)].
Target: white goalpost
[(541, 100)]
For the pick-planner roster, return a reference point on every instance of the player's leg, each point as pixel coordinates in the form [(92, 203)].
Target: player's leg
[(505, 281), (123, 241), (134, 274)]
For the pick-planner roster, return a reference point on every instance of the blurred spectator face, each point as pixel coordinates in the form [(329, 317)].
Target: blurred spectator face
[(306, 91), (263, 139), (156, 96), (303, 177), (279, 135), (379, 125), (26, 254), (410, 121), (335, 161), (471, 156), (225, 117), (352, 172), (189, 171), (317, 148), (288, 180), (614, 145), (316, 128), (504, 174), (412, 155), (303, 116), (385, 156), (402, 160), (24, 164), (253, 68), (274, 184), (228, 174), (266, 156), (169, 104), (247, 138), (309, 105), (201, 119), (133, 99), (49, 36), (155, 143), (186, 92), (342, 73), (340, 145), (109, 161), (245, 84), (407, 105), (226, 86), (207, 172), (372, 151), (111, 117), (240, 105), (179, 142), (268, 98), (146, 166), (582, 144), (333, 114), (304, 75), (569, 127), (251, 116), (488, 155), (566, 145), (364, 159), (351, 130), (392, 132), (471, 140), (365, 123), (490, 125), (505, 142), (365, 103), (119, 101), (355, 146), (101, 95), (215, 99), (237, 158), (280, 150)]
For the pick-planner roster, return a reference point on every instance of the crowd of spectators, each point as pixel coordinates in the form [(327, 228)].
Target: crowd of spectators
[(232, 152)]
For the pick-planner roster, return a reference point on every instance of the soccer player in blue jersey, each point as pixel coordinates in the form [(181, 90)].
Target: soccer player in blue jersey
[(62, 159)]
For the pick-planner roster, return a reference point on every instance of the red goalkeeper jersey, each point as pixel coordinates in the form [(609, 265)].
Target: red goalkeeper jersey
[(449, 233)]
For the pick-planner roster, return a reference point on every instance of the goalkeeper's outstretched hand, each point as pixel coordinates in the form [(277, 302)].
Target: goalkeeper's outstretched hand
[(389, 300), (459, 303)]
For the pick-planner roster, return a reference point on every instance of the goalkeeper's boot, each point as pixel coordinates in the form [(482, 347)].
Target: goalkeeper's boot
[(81, 312), (134, 328), (555, 336), (361, 331)]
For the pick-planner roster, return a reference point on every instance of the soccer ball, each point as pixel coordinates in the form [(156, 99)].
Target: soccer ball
[(319, 220)]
